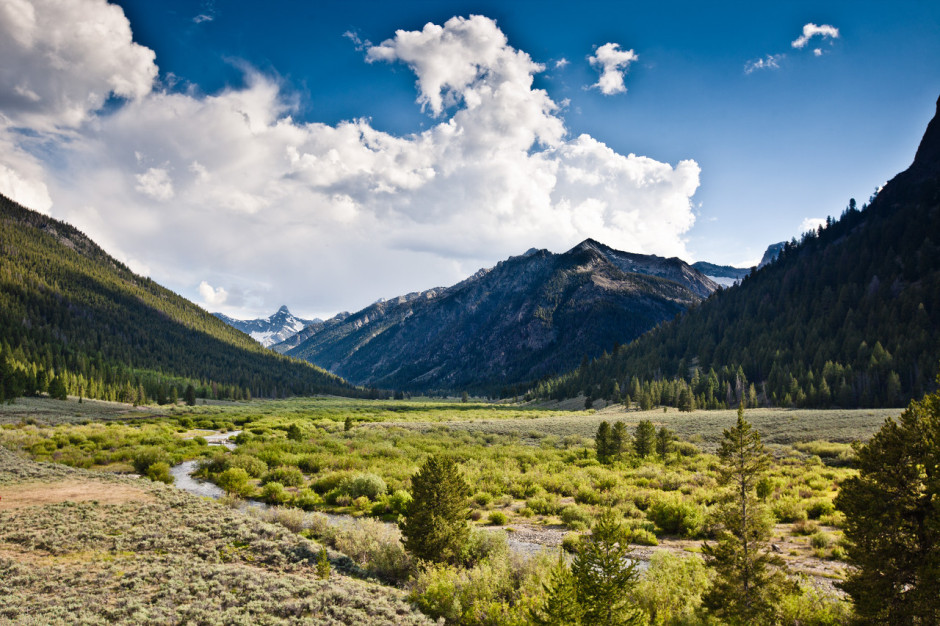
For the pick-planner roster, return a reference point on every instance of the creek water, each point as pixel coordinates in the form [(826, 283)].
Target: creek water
[(183, 479)]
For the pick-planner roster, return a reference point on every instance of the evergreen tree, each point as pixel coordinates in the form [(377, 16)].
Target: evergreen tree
[(618, 439), (664, 439), (57, 388), (602, 442), (749, 580), (644, 438), (604, 573), (435, 526), (892, 511), (561, 607), (190, 395)]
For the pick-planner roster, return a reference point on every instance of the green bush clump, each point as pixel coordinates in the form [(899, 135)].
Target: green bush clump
[(820, 540), (329, 482), (483, 499), (398, 502), (145, 457), (275, 493), (587, 496), (369, 485), (570, 542), (676, 516), (820, 507), (308, 500), (255, 467), (287, 476), (497, 518), (788, 510), (575, 518), (234, 481), (160, 472), (643, 537)]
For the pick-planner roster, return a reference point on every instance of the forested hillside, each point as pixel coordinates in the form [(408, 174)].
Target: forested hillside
[(849, 317), (74, 320)]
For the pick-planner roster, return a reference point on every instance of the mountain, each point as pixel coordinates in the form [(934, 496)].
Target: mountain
[(724, 275), (269, 330), (70, 311), (849, 316), (771, 253), (530, 316)]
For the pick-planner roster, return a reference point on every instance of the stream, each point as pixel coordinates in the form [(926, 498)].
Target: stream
[(526, 544)]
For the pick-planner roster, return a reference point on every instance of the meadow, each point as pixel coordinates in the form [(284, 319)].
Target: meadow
[(531, 469)]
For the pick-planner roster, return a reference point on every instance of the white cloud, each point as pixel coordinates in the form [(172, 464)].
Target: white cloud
[(155, 183), (212, 297), (202, 17), (612, 63), (811, 223), (811, 30), (561, 63), (770, 62), (266, 210), (61, 60), (817, 52)]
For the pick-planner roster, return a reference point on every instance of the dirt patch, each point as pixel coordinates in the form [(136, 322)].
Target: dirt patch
[(39, 494)]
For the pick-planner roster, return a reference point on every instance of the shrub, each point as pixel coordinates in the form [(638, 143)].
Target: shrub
[(285, 475), (274, 493), (369, 485), (805, 527), (676, 516), (820, 507), (234, 481), (308, 500), (253, 466), (671, 590), (789, 510), (587, 496), (145, 457), (160, 472), (398, 502), (643, 537), (575, 517), (497, 518), (362, 504), (570, 542), (820, 540), (483, 499), (329, 482)]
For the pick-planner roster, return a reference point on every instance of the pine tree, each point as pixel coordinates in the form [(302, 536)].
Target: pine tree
[(749, 580), (561, 607), (435, 526), (893, 520), (602, 442), (604, 573), (618, 439), (664, 439), (644, 438)]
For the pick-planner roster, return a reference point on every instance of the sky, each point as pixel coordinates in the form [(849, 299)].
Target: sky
[(326, 154)]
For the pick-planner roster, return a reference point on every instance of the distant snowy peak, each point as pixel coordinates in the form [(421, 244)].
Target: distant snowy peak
[(270, 330)]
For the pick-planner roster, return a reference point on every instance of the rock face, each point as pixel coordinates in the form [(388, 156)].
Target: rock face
[(270, 330), (529, 316)]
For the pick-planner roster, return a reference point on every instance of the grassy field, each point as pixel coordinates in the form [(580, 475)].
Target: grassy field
[(83, 547)]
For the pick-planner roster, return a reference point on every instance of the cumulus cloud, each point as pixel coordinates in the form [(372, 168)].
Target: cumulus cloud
[(212, 297), (770, 62), (228, 199), (561, 63), (811, 223), (612, 62), (61, 61), (156, 183), (812, 30)]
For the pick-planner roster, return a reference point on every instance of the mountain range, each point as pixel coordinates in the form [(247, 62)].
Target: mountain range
[(530, 316)]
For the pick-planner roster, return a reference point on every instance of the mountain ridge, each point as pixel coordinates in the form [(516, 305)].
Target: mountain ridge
[(524, 318)]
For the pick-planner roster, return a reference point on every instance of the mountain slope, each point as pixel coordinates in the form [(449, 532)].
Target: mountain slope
[(850, 316), (530, 316), (269, 330), (67, 308)]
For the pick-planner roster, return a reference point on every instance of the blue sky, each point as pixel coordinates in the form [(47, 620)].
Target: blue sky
[(745, 136)]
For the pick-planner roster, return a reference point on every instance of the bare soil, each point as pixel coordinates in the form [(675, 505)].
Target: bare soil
[(39, 494)]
